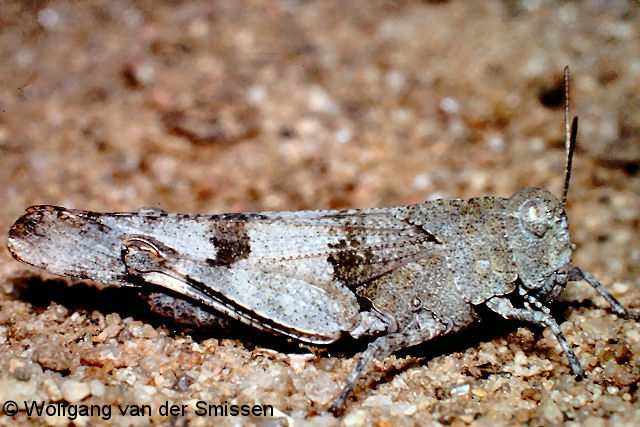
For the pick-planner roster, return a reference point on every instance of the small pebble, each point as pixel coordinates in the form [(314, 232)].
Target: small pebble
[(322, 389), (74, 391), (460, 390)]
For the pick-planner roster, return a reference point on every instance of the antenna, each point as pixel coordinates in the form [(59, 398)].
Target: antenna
[(571, 132)]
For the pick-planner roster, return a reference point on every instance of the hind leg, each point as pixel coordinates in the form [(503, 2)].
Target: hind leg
[(184, 312)]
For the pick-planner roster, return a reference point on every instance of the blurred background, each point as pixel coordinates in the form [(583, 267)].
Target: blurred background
[(216, 106)]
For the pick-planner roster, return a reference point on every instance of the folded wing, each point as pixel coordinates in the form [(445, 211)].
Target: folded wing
[(290, 272)]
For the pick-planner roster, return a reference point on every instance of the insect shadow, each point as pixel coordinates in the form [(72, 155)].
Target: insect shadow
[(83, 297)]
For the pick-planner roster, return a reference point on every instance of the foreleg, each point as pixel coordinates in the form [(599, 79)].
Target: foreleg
[(504, 308), (577, 274)]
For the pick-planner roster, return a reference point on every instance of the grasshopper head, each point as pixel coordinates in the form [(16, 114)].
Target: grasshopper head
[(538, 230), (538, 238)]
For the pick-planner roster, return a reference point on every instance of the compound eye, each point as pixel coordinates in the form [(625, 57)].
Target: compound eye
[(535, 217)]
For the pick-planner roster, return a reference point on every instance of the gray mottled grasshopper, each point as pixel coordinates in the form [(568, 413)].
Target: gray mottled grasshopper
[(398, 276)]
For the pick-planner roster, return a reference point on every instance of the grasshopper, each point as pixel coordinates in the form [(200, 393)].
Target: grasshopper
[(396, 276)]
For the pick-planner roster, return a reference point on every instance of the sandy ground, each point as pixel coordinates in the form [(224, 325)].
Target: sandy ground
[(286, 105)]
